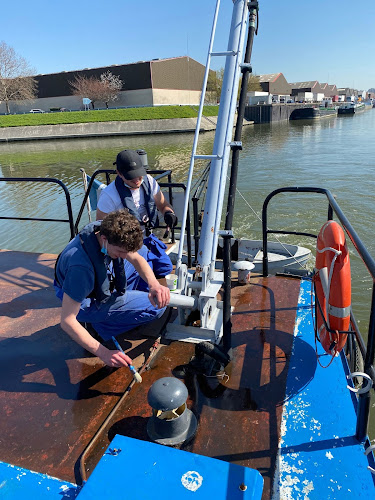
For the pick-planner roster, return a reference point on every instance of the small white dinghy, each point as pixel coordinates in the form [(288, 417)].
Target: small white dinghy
[(281, 256)]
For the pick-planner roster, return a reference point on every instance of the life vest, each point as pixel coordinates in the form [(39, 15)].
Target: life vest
[(102, 289), (128, 202), (332, 287)]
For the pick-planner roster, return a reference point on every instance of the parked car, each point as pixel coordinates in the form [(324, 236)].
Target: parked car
[(54, 110), (36, 111)]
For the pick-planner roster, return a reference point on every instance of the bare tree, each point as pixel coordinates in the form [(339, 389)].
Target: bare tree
[(112, 84), (87, 87), (16, 82), (104, 89)]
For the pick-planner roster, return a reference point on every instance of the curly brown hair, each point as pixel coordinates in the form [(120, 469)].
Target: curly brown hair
[(123, 230)]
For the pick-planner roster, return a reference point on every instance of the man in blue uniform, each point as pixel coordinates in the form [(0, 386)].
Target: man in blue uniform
[(91, 282), (140, 194)]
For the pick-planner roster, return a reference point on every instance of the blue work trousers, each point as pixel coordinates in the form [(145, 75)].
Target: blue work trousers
[(153, 251), (127, 312)]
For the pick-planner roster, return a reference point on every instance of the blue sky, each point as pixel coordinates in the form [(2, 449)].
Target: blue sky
[(330, 41)]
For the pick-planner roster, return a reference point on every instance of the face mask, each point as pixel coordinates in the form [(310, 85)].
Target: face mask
[(104, 248)]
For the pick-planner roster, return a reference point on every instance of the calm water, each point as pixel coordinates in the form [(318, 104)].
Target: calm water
[(337, 153)]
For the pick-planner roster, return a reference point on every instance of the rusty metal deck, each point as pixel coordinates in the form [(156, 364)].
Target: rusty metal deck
[(54, 396)]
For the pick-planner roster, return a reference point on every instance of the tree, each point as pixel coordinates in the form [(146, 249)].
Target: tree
[(112, 84), (16, 82), (104, 89), (253, 84), (215, 84)]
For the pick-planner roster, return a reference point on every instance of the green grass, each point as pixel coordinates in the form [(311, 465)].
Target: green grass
[(105, 115)]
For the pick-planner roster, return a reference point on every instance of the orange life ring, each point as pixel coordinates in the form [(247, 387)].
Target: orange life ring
[(332, 287)]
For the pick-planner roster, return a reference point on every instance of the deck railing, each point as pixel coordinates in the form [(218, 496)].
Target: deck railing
[(368, 352), (49, 180)]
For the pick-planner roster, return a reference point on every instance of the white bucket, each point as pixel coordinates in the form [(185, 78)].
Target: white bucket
[(244, 276), (171, 280)]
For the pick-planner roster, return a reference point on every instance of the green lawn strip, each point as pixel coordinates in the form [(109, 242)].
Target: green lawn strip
[(105, 115)]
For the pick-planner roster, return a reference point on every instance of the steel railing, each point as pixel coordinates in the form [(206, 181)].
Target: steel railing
[(368, 351), (45, 219)]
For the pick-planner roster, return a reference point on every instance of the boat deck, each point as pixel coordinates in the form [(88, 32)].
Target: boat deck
[(55, 396)]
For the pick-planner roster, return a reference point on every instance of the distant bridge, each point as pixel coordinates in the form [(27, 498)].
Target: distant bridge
[(268, 113)]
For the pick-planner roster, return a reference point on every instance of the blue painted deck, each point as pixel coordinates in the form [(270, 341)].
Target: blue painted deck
[(319, 457), (149, 471), (17, 483)]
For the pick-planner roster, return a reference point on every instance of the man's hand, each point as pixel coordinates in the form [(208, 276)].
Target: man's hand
[(170, 218), (159, 295), (113, 358), (77, 332)]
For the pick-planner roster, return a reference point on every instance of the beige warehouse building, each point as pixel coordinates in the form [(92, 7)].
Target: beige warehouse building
[(176, 80)]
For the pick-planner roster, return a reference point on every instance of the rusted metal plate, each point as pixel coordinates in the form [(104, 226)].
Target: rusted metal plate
[(53, 394), (239, 418)]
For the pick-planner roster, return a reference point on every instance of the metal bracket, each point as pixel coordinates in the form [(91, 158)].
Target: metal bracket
[(246, 67), (225, 232), (235, 145)]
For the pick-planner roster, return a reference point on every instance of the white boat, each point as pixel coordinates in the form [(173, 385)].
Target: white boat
[(281, 256)]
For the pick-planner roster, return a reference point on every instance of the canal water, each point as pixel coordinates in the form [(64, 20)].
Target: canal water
[(337, 153)]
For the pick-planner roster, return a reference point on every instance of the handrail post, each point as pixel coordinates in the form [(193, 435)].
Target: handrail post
[(265, 236), (364, 399)]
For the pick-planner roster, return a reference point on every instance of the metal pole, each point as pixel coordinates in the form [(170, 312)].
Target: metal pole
[(227, 249), (364, 399), (195, 143), (219, 164)]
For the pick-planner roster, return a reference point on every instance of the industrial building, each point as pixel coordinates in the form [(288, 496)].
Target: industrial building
[(176, 80)]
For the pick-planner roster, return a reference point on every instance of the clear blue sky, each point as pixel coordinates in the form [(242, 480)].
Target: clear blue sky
[(329, 41)]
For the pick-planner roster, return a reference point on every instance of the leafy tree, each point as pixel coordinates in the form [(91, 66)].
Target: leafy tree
[(104, 89), (253, 84), (215, 84), (16, 82)]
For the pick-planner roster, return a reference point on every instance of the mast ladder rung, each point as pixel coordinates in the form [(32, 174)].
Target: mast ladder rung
[(207, 157), (224, 53)]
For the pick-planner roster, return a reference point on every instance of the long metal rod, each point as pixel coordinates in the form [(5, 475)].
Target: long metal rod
[(221, 143), (196, 136), (227, 253), (229, 131), (364, 399)]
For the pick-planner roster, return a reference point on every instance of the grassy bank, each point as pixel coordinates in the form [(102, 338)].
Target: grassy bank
[(105, 115)]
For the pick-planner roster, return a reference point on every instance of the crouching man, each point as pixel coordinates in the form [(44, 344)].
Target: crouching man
[(90, 280)]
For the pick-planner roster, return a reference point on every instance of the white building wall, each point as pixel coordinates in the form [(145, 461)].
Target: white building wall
[(171, 96)]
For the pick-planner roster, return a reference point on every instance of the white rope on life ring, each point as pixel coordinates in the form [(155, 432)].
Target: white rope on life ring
[(364, 389)]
